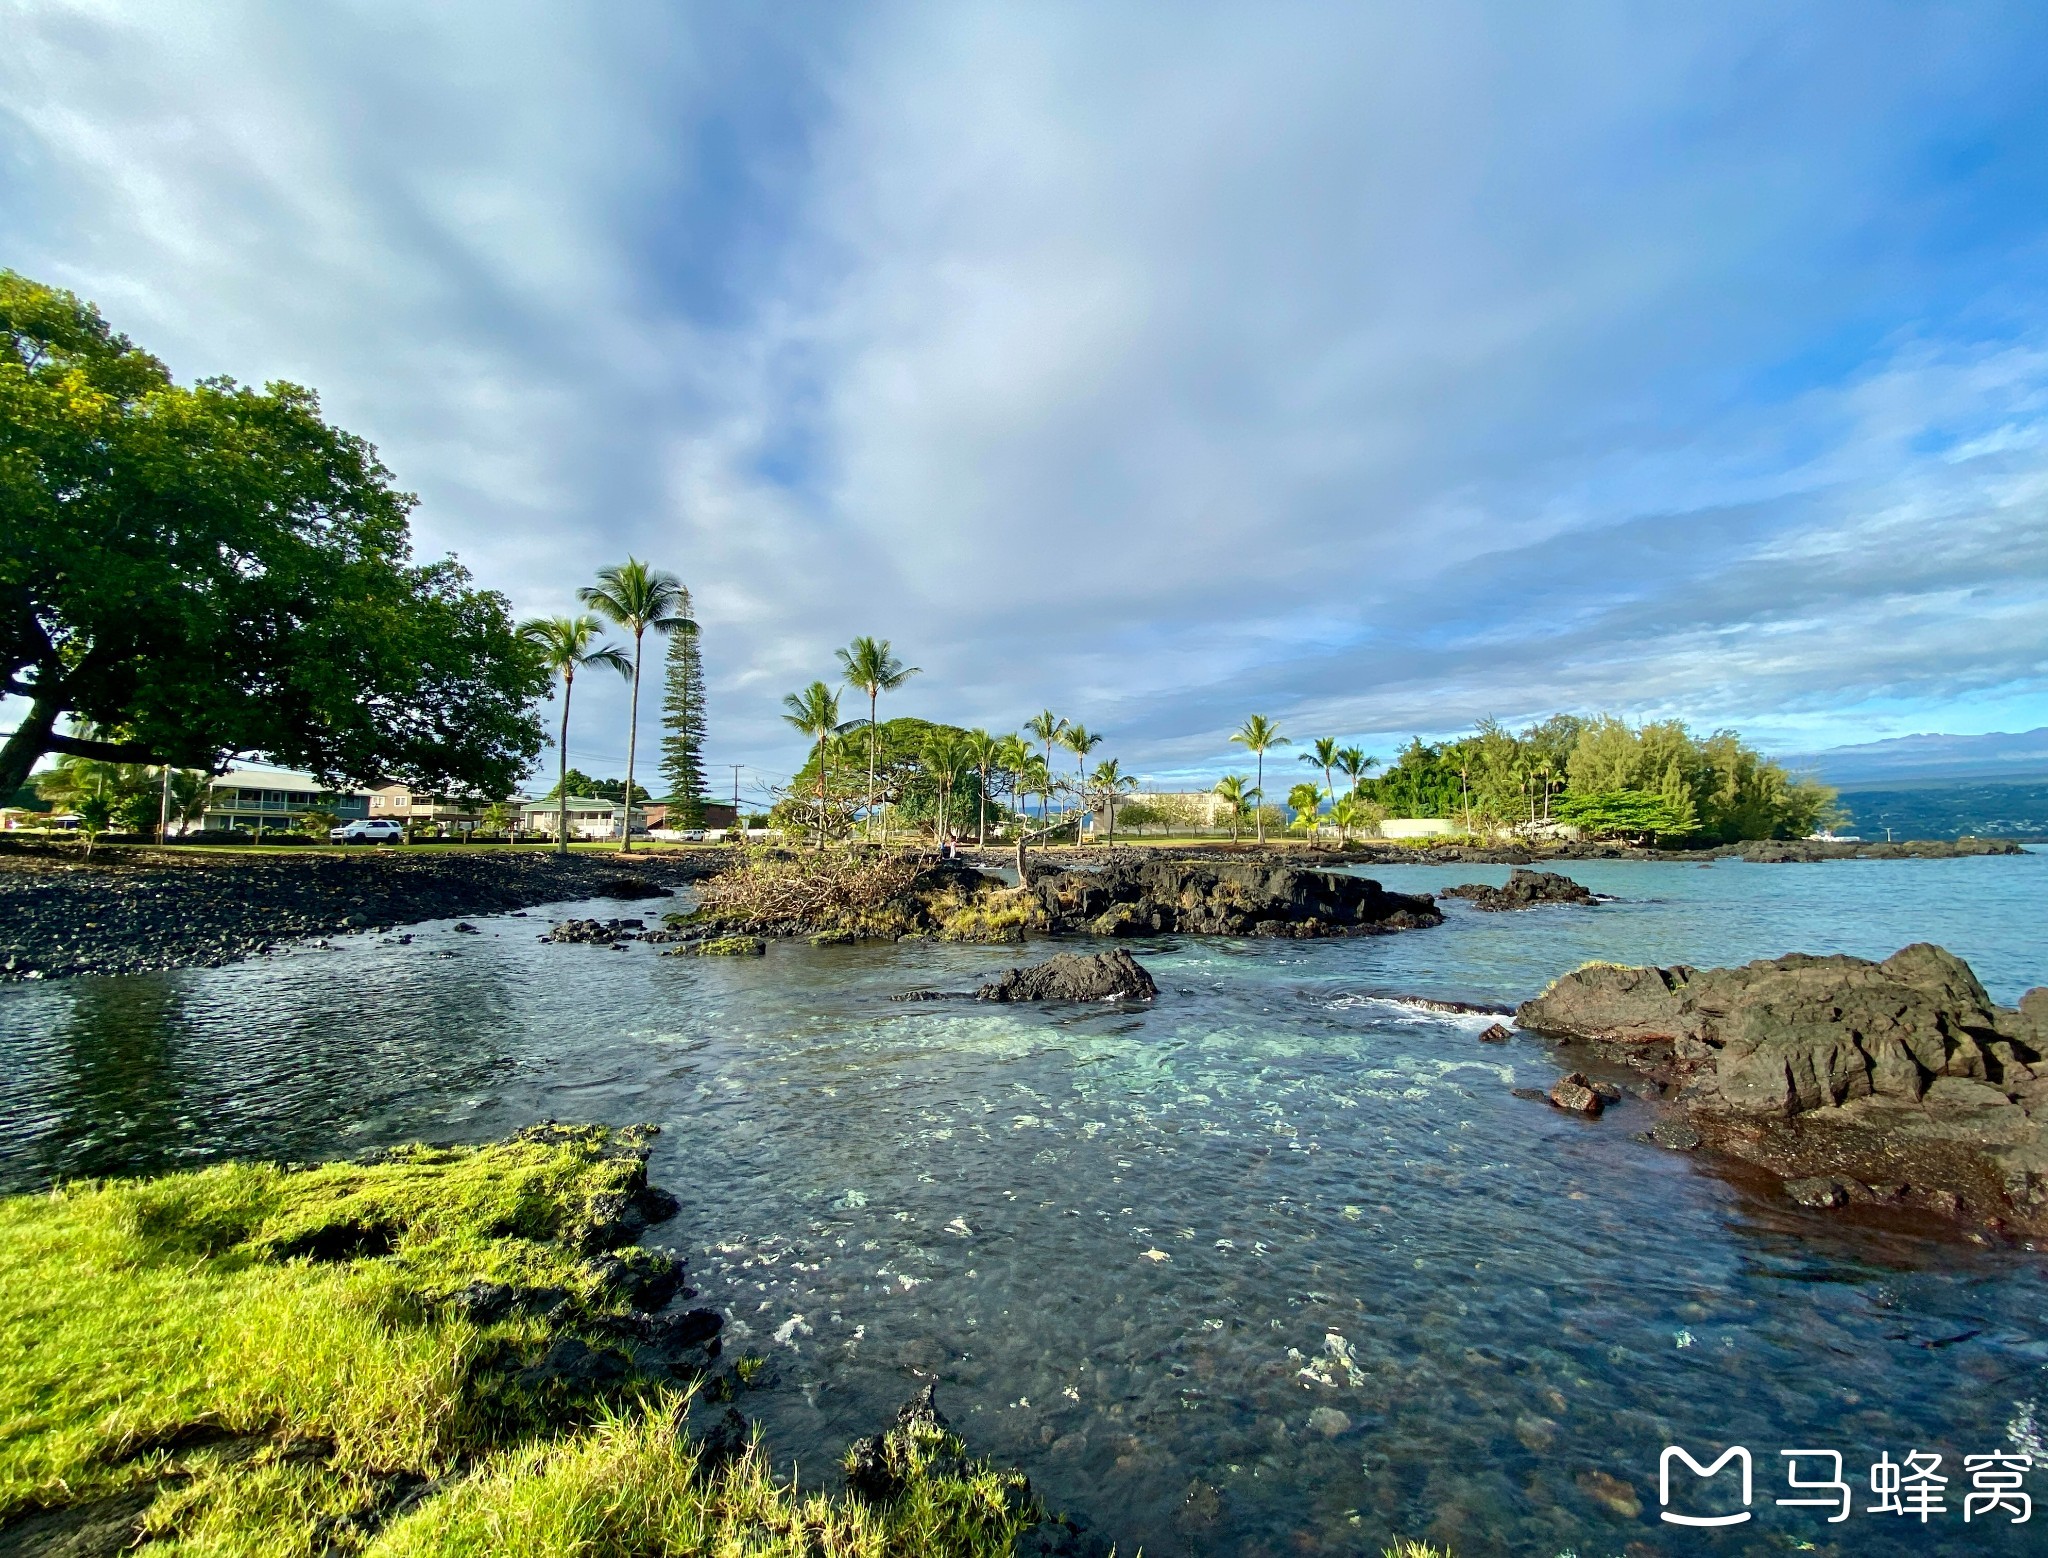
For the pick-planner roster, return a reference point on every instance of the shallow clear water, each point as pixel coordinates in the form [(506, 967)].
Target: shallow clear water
[(1150, 1254)]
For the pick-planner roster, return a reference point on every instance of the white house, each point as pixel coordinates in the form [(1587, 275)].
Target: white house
[(589, 818)]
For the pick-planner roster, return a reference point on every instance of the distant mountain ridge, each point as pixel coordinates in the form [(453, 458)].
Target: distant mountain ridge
[(1930, 759)]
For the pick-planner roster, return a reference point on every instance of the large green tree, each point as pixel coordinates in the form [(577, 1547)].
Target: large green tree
[(682, 723), (206, 570)]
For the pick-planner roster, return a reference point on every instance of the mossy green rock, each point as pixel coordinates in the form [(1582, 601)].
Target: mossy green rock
[(403, 1357), (728, 947)]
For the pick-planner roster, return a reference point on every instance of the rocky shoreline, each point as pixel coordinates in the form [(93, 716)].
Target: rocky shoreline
[(1127, 894), (141, 911), (1896, 1083), (1367, 852)]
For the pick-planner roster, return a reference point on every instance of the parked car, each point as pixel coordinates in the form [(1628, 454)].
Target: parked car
[(368, 830)]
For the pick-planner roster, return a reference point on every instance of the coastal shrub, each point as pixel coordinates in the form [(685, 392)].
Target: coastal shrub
[(1002, 915), (278, 1360), (831, 889)]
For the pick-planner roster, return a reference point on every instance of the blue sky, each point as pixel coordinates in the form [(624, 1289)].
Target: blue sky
[(1376, 368)]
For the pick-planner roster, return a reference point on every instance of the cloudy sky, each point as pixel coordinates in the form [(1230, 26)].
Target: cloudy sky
[(1374, 367)]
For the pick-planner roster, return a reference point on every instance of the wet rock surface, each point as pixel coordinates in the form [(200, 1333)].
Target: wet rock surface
[(1072, 976), (1802, 851), (1852, 1080), (1578, 1095), (596, 933), (1524, 890), (124, 913), (1146, 896)]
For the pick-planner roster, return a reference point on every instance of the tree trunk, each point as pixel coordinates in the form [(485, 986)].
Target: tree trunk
[(981, 822), (562, 781), (1259, 808), (867, 822), (31, 739), (632, 739), (821, 795)]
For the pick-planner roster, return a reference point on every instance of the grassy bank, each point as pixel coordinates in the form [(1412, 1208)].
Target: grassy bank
[(420, 1355)]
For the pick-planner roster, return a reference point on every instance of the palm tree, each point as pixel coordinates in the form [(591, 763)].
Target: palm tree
[(984, 751), (186, 792), (1322, 753), (1107, 783), (815, 712), (1348, 813), (868, 664), (1235, 796), (1013, 761), (637, 597), (1079, 740), (1306, 802), (1259, 735), (566, 645), (1355, 765), (1034, 778), (1046, 727), (945, 757)]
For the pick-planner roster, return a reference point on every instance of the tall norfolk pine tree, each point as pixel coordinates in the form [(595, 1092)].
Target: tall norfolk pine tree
[(682, 724)]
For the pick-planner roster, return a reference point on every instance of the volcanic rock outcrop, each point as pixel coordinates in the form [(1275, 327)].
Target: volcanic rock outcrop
[(1902, 1080), (1144, 897), (1524, 890), (1074, 976)]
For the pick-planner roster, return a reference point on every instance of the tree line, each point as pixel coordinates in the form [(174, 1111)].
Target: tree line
[(863, 776)]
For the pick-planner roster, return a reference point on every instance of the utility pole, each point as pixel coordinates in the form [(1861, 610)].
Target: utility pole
[(736, 822), (163, 822)]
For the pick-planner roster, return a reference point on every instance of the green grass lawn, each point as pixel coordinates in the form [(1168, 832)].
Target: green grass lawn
[(271, 1359)]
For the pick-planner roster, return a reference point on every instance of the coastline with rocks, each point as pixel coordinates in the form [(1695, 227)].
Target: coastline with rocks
[(126, 911), (144, 911)]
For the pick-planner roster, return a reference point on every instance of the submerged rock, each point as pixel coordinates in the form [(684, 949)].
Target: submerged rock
[(1578, 1094), (1143, 897), (596, 932), (721, 947), (1074, 976), (1838, 1068), (1524, 890)]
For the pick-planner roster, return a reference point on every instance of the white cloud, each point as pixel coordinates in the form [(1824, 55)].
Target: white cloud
[(1378, 368)]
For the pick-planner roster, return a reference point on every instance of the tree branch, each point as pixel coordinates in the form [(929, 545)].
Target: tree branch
[(105, 751)]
